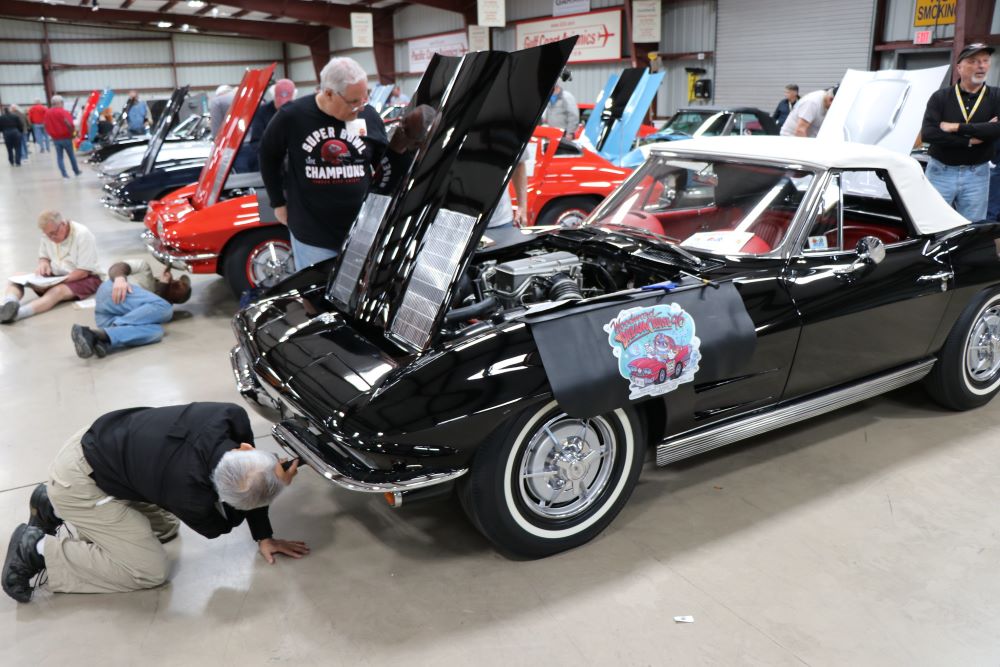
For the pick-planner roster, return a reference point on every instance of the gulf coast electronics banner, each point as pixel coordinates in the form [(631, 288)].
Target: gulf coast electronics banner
[(600, 34)]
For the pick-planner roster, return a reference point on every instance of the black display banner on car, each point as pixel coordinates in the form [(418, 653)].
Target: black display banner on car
[(602, 356)]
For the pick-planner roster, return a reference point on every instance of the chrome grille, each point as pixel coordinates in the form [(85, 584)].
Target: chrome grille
[(436, 265), (359, 243)]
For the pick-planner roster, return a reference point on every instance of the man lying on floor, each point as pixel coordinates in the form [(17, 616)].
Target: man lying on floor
[(131, 308)]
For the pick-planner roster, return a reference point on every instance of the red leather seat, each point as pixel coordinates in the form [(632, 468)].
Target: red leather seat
[(854, 232)]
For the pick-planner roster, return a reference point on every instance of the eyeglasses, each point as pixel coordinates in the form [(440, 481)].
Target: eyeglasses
[(54, 233), (354, 104)]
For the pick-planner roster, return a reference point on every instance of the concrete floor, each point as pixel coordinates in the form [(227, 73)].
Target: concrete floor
[(865, 537)]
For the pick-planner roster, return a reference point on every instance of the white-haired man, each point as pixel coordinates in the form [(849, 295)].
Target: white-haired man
[(127, 482), (332, 141), (68, 250)]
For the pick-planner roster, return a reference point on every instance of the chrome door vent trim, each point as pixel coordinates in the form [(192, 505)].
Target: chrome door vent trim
[(705, 439)]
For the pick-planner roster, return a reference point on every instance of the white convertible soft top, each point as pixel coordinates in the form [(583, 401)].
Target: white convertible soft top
[(929, 212)]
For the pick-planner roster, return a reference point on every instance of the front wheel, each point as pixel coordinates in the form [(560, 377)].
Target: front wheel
[(258, 258), (967, 373), (567, 212), (550, 482)]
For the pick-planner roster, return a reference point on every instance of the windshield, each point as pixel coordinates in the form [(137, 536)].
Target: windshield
[(723, 208), (185, 126), (686, 122)]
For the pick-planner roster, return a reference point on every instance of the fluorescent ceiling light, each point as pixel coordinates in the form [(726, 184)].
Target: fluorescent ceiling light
[(196, 4), (164, 24)]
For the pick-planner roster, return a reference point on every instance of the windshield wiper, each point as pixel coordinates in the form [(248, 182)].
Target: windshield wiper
[(661, 239)]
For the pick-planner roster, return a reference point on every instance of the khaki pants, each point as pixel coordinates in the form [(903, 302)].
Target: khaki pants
[(117, 547)]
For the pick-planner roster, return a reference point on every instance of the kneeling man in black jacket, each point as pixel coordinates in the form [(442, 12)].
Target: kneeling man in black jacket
[(125, 484)]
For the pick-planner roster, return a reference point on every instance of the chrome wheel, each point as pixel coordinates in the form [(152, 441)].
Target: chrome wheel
[(982, 350), (572, 217), (566, 466), (269, 262)]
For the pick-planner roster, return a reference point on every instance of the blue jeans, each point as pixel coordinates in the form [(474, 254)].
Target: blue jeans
[(41, 138), (305, 255), (966, 188), (24, 146), (993, 204), (135, 321), (65, 145)]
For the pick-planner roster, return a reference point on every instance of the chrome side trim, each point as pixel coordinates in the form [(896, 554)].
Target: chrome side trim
[(289, 441), (247, 383), (677, 448)]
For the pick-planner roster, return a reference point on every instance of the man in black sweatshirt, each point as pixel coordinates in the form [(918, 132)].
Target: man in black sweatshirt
[(125, 484), (332, 141), (961, 125)]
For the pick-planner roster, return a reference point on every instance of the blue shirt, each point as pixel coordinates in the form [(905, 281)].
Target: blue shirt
[(137, 116)]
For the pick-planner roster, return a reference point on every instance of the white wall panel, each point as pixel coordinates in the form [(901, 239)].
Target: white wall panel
[(117, 79), (765, 44), (298, 51), (673, 92), (18, 74), (24, 94), (11, 29), (303, 74), (213, 76), (417, 20), (340, 39), (106, 53), (20, 51), (195, 48)]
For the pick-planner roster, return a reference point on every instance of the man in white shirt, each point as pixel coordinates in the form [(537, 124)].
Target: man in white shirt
[(68, 250), (806, 117)]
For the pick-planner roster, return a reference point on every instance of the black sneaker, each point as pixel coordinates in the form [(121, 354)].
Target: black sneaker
[(43, 515), (87, 342), (22, 563), (8, 311)]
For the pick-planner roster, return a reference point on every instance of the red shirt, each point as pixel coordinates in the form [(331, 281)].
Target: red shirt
[(36, 114), (58, 123)]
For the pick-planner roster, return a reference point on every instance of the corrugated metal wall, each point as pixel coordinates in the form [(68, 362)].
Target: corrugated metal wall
[(688, 26), (340, 45), (202, 60), (301, 69), (416, 20), (763, 45)]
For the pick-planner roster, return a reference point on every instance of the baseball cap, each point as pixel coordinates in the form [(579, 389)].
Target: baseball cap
[(974, 48)]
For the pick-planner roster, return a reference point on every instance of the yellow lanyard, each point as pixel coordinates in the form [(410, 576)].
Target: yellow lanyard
[(961, 104)]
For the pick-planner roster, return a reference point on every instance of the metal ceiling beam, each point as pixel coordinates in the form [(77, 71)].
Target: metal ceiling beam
[(126, 4), (337, 16), (296, 34), (206, 9), (167, 6), (467, 8)]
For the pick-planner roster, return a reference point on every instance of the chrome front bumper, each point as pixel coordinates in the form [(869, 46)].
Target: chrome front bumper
[(299, 440), (126, 211), (166, 256)]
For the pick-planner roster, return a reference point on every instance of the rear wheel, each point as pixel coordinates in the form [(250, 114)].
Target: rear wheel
[(550, 482), (967, 373), (258, 258), (567, 212)]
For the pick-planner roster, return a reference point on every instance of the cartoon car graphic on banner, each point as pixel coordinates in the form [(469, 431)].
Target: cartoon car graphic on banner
[(656, 348)]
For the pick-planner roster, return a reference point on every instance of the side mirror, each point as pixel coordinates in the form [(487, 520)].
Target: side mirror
[(871, 249)]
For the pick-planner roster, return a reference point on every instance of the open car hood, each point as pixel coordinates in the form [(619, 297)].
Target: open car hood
[(166, 122), (245, 102), (618, 112), (405, 252), (379, 96), (883, 108)]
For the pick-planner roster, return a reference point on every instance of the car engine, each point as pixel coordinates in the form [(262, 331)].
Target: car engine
[(550, 276)]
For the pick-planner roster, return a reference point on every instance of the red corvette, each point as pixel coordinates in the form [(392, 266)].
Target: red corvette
[(214, 225)]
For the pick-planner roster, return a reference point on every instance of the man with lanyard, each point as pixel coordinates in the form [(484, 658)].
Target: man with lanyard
[(332, 141), (961, 125)]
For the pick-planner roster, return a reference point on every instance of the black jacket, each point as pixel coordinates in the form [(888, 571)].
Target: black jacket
[(952, 148), (166, 456)]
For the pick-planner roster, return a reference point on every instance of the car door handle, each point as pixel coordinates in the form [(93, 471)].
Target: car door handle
[(943, 276)]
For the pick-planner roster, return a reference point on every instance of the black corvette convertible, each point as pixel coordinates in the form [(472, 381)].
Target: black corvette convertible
[(729, 287)]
